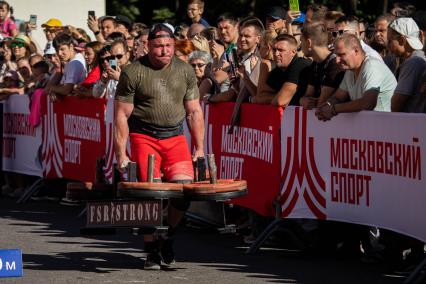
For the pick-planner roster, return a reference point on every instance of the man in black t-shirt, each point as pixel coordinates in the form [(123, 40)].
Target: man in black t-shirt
[(287, 81), (325, 74)]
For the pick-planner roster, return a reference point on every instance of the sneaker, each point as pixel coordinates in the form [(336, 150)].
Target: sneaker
[(39, 197), (7, 190), (68, 202), (152, 262), (17, 192), (250, 239), (167, 253)]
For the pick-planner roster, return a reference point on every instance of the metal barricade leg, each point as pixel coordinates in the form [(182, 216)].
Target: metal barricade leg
[(413, 277), (33, 189), (264, 236), (82, 213)]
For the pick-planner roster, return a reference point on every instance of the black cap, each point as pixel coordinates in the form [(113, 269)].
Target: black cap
[(276, 12), (120, 19), (160, 28)]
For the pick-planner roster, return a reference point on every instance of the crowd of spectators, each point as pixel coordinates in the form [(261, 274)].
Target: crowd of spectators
[(320, 59)]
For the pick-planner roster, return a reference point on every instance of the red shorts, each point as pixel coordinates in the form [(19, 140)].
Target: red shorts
[(172, 156)]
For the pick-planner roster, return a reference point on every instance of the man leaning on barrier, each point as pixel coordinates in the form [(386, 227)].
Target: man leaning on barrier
[(154, 95), (368, 83), (74, 70)]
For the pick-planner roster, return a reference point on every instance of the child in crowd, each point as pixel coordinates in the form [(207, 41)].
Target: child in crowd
[(7, 25), (195, 12)]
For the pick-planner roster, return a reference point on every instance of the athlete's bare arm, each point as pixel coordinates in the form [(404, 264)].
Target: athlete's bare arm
[(195, 120), (122, 112)]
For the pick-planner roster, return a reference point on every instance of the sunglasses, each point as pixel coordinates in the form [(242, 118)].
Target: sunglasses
[(339, 32), (199, 65), (51, 30), (17, 44), (112, 57)]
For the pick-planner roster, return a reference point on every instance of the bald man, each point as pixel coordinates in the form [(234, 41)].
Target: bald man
[(368, 83), (195, 29)]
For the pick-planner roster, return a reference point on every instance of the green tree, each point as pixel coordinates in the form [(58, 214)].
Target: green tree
[(129, 8)]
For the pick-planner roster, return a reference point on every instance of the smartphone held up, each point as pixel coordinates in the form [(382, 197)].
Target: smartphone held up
[(33, 19), (113, 64)]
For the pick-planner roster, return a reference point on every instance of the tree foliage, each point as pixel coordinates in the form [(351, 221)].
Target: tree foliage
[(149, 11)]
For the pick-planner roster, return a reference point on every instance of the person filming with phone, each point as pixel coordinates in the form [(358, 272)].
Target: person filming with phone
[(118, 58)]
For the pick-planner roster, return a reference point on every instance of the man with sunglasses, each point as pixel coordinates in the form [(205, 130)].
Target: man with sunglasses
[(154, 95), (51, 28), (350, 25), (106, 86)]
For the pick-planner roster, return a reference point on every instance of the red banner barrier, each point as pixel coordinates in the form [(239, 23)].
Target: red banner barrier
[(251, 152), (73, 137)]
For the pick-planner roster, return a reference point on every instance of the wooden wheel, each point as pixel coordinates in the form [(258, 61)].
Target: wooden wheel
[(222, 190), (150, 190)]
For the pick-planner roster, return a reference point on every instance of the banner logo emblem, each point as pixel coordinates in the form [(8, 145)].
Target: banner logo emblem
[(300, 176)]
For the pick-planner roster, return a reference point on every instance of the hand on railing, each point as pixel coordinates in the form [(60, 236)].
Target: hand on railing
[(308, 102)]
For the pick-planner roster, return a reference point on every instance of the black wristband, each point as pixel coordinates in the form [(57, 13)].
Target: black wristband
[(97, 32)]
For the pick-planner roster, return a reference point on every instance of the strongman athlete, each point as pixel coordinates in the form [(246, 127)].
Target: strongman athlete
[(154, 95)]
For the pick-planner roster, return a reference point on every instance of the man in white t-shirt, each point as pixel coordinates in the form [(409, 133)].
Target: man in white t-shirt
[(74, 66), (368, 83)]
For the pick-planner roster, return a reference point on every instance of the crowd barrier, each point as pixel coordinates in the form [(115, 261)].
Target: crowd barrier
[(21, 141), (363, 168)]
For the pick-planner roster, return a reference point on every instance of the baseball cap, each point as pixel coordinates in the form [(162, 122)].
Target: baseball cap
[(21, 38), (160, 28), (299, 20), (170, 27), (120, 19), (276, 12), (52, 23), (49, 50), (408, 28)]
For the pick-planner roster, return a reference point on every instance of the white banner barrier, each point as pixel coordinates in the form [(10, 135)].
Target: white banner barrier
[(21, 141), (363, 168)]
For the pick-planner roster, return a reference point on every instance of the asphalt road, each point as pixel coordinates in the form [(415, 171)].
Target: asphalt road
[(55, 252)]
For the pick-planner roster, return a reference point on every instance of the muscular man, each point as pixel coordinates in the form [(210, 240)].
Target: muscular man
[(154, 95)]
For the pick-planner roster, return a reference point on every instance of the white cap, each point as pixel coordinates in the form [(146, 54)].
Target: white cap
[(170, 27), (408, 28), (49, 50)]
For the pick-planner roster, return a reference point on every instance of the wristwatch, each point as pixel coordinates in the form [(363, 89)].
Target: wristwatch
[(332, 107)]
